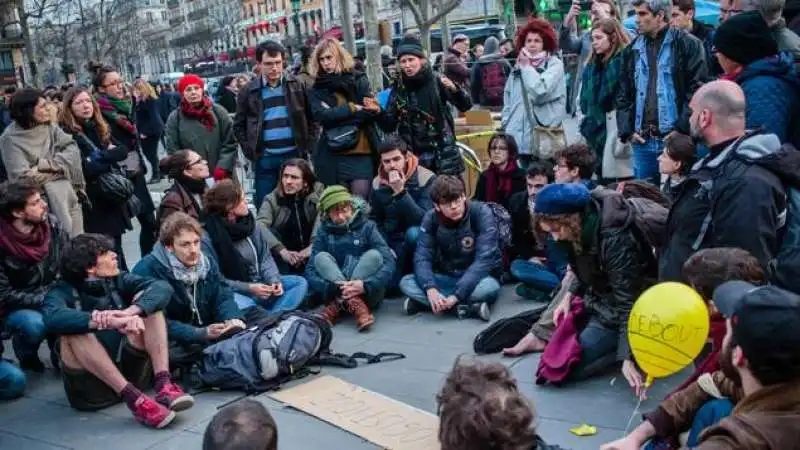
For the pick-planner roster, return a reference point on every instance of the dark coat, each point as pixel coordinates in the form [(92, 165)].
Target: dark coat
[(23, 285), (249, 120), (525, 244), (227, 99), (396, 214), (518, 184), (176, 199), (148, 118), (468, 251), (275, 215), (689, 208), (455, 68), (188, 315), (168, 102), (131, 142)]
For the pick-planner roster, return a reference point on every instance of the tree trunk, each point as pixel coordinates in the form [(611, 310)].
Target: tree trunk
[(347, 27), (425, 37), (29, 53), (372, 40)]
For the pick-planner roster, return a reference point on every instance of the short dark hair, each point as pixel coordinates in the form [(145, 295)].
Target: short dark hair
[(220, 198), (173, 165), (175, 224), (244, 425), (507, 41), (682, 149), (709, 268), (540, 168), (80, 254), (23, 103), (271, 48), (392, 143), (642, 189), (10, 90), (14, 196), (684, 5), (447, 188), (227, 80), (578, 156)]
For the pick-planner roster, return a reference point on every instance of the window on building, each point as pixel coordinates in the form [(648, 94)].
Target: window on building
[(397, 29), (150, 16), (252, 11), (330, 10), (163, 15), (358, 7), (6, 61)]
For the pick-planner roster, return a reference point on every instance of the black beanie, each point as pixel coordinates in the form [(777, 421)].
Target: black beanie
[(745, 38), (410, 46)]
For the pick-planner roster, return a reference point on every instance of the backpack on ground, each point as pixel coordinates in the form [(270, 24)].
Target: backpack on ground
[(503, 219), (506, 332), (493, 81)]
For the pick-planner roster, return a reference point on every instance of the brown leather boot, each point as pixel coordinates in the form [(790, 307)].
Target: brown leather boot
[(331, 312), (359, 309)]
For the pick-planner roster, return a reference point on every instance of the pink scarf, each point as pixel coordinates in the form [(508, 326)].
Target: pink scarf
[(525, 58)]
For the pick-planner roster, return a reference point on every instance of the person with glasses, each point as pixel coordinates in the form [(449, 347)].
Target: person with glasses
[(504, 177), (189, 171)]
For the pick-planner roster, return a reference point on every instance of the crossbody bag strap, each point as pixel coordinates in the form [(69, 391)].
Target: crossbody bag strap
[(528, 110)]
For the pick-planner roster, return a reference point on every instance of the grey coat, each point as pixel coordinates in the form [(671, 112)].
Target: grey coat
[(254, 250), (217, 146)]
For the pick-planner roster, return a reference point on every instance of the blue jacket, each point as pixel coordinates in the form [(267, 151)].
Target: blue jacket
[(346, 243), (191, 309), (468, 251), (396, 214), (772, 91)]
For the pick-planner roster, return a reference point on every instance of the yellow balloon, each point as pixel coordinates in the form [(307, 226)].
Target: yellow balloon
[(667, 329)]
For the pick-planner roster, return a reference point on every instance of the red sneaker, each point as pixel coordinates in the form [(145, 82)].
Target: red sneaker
[(173, 397), (150, 413)]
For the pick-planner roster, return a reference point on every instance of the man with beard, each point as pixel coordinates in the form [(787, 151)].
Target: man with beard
[(760, 374), (732, 197), (417, 110)]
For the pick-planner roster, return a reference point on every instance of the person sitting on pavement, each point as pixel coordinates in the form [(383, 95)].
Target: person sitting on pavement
[(753, 401), (504, 177), (31, 244), (112, 333), (575, 164), (539, 267), (189, 171), (202, 308), (481, 407), (350, 264), (457, 257), (611, 268), (290, 216), (241, 250), (675, 161), (400, 198), (244, 425)]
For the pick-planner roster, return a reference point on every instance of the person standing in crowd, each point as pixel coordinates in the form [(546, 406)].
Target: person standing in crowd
[(417, 110), (458, 258), (35, 148), (189, 171), (31, 245), (575, 164), (455, 62), (350, 264), (241, 249), (342, 103), (662, 68), (168, 101), (202, 126), (246, 424), (303, 74), (118, 110), (489, 75), (400, 199), (683, 18), (149, 124), (597, 232), (100, 156), (748, 55), (508, 51), (730, 200), (675, 162), (227, 93), (112, 334), (290, 215), (772, 12), (272, 122), (569, 41), (503, 178), (601, 79), (535, 95)]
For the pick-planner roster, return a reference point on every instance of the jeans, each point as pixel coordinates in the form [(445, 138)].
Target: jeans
[(294, 292), (534, 275), (12, 381), (358, 269), (598, 350), (645, 160), (711, 413), (27, 329), (404, 251), (267, 171), (486, 291)]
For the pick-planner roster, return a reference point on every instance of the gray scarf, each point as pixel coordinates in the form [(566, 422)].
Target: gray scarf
[(186, 275)]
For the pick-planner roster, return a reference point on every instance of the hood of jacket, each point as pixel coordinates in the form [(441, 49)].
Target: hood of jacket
[(612, 207), (754, 145), (491, 57), (779, 66), (361, 212), (161, 254)]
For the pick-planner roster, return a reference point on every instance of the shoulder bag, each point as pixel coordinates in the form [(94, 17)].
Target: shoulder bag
[(544, 140)]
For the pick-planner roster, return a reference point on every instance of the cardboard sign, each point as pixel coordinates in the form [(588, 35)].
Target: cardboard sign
[(383, 421)]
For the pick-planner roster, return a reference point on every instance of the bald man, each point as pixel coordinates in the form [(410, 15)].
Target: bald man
[(731, 198)]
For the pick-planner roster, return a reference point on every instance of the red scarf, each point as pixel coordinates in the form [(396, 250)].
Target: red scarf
[(32, 248), (731, 76), (499, 181), (203, 112)]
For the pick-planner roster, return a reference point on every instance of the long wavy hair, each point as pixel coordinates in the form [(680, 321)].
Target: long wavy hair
[(616, 35), (344, 60), (72, 124), (570, 223)]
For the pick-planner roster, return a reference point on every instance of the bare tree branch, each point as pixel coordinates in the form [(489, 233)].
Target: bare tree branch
[(443, 11), (416, 11)]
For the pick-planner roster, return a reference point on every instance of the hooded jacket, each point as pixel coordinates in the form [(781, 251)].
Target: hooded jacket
[(772, 91), (491, 55), (346, 243), (191, 309)]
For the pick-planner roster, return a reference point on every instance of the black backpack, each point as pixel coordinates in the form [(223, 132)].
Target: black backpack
[(506, 332)]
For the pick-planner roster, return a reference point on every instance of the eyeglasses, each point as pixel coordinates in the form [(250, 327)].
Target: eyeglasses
[(199, 161), (270, 64)]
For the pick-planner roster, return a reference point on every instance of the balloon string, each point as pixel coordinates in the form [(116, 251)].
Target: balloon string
[(634, 414)]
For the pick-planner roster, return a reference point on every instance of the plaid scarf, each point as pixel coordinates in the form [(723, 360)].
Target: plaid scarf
[(203, 112), (600, 86), (118, 111)]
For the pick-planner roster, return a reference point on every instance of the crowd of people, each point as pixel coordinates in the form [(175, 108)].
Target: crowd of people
[(687, 172)]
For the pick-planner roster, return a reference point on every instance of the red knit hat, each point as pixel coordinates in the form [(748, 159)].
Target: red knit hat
[(187, 80)]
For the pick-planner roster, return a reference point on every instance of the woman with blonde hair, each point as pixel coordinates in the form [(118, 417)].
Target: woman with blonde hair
[(149, 123), (600, 86), (342, 103)]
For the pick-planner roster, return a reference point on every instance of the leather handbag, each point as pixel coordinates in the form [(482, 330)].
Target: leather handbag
[(342, 138)]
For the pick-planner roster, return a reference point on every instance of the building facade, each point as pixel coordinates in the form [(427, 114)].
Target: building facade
[(12, 67)]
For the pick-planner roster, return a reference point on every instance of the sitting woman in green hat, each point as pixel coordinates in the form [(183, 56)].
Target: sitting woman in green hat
[(350, 264)]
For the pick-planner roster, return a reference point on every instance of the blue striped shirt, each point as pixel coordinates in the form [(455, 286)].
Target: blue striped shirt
[(277, 130)]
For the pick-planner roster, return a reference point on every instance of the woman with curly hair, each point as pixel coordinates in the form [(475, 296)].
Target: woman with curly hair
[(535, 95)]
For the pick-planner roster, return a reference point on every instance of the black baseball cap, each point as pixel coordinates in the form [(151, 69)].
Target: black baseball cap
[(765, 320)]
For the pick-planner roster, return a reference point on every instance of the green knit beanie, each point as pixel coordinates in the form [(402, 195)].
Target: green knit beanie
[(332, 196)]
